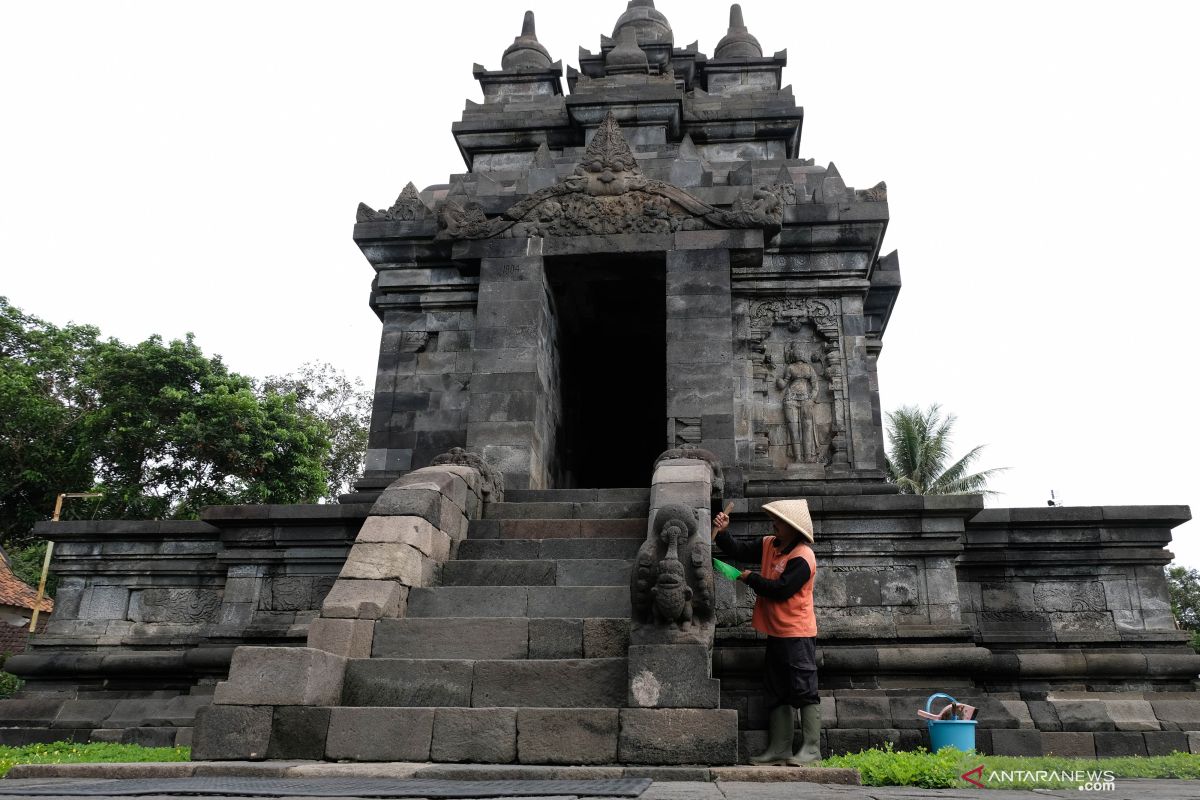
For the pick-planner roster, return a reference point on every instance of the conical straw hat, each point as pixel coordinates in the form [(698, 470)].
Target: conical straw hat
[(794, 513)]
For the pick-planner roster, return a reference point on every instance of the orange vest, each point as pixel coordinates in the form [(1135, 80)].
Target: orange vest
[(794, 616)]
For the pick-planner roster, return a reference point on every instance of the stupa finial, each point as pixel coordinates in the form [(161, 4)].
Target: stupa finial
[(738, 42), (526, 53)]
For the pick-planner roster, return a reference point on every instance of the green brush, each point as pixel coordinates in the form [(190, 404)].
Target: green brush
[(731, 572)]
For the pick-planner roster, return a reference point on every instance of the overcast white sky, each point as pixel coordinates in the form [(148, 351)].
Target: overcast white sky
[(169, 167)]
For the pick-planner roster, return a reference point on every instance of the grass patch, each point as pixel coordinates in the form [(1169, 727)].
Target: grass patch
[(92, 753), (943, 769)]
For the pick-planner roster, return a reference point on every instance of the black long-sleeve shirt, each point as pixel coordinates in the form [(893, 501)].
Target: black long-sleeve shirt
[(794, 576)]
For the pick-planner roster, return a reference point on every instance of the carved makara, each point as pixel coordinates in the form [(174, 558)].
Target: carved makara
[(672, 587), (608, 194), (492, 479)]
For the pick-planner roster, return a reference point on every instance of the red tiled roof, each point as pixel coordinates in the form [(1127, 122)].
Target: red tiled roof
[(15, 592)]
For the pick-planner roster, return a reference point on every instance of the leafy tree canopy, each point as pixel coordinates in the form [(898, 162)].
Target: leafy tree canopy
[(159, 428), (919, 442)]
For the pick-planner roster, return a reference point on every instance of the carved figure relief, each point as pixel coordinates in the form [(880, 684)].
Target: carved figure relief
[(672, 588), (608, 194), (799, 386)]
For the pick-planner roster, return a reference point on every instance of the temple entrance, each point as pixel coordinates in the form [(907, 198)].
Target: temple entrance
[(611, 315)]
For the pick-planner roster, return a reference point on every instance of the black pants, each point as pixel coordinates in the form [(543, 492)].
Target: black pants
[(790, 677)]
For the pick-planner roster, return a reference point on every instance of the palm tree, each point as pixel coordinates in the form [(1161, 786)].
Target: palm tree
[(919, 441)]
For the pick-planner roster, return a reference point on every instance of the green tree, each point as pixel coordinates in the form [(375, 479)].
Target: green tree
[(919, 449), (174, 431), (44, 405), (160, 428), (1183, 585), (326, 394)]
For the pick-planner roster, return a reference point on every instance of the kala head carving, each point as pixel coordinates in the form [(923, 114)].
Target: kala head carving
[(608, 166)]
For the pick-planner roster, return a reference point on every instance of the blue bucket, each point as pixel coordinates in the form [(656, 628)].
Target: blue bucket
[(956, 733)]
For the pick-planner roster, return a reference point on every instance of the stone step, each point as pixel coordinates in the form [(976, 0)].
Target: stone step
[(624, 509), (506, 683), (491, 638), (549, 572), (520, 601), (633, 528), (534, 549), (576, 495), (409, 737)]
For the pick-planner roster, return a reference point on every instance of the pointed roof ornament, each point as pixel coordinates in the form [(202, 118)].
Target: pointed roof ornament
[(738, 42), (626, 56), (687, 149), (526, 54), (542, 158), (608, 150)]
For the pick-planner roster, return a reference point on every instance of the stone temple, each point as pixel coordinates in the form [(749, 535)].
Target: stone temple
[(638, 302)]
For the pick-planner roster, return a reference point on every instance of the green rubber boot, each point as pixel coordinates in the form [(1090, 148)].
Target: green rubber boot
[(810, 726), (779, 747)]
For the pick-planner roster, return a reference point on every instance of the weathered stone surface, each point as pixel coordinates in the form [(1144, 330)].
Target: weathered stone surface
[(488, 735), (1069, 744), (555, 638), (605, 637), (577, 683), (1013, 742), (358, 599), (350, 638), (408, 682), (298, 732), (416, 532), (225, 733), (453, 638), (282, 676), (677, 736), (1119, 743), (671, 676), (375, 561), (380, 734), (567, 736)]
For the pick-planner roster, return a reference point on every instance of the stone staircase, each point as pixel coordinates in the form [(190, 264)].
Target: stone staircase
[(519, 654), (516, 648)]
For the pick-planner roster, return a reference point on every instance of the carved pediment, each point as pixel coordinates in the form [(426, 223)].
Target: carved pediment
[(407, 208), (608, 194)]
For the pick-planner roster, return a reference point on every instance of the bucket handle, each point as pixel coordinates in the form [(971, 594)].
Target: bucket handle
[(932, 697)]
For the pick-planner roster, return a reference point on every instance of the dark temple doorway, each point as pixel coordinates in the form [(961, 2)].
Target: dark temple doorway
[(612, 320)]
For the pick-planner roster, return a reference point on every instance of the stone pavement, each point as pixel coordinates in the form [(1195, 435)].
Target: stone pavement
[(721, 790)]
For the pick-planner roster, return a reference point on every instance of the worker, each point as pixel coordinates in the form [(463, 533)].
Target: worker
[(784, 612)]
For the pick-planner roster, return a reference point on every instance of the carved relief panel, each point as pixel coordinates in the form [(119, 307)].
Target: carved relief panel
[(798, 385)]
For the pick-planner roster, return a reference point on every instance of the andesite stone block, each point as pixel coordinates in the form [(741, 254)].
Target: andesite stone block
[(562, 683), (379, 734), (408, 682), (227, 733), (1069, 744), (298, 732), (487, 735), (567, 735), (452, 638), (365, 599), (605, 637), (350, 638), (416, 532), (282, 676), (671, 676), (678, 736), (555, 638), (398, 562)]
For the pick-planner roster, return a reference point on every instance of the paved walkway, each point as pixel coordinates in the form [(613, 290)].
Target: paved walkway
[(688, 790)]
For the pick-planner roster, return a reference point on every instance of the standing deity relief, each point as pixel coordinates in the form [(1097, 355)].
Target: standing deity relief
[(798, 369)]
